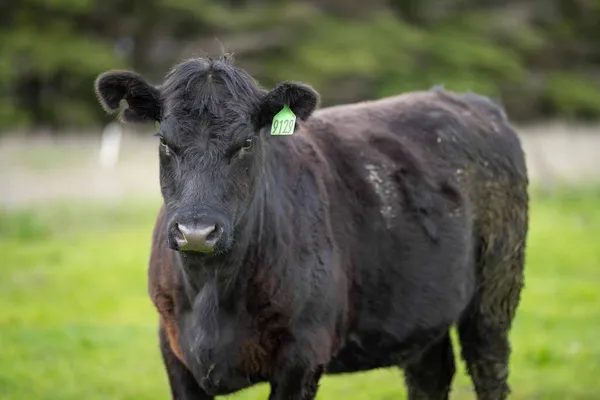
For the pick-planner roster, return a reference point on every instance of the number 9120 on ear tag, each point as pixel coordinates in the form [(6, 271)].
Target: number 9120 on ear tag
[(283, 122)]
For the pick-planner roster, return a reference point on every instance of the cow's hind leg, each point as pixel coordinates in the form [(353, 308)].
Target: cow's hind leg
[(484, 330), (430, 376)]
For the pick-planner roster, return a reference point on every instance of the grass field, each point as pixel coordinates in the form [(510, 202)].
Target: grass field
[(76, 323)]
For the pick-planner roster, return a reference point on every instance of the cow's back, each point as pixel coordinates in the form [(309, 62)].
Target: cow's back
[(462, 138)]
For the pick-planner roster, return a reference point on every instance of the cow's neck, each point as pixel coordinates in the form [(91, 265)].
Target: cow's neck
[(201, 274), (272, 213)]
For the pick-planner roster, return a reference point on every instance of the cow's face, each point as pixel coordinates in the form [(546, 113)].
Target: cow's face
[(213, 142)]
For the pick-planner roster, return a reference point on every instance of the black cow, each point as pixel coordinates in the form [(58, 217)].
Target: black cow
[(353, 244)]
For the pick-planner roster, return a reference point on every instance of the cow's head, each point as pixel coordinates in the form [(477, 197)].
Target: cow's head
[(214, 135)]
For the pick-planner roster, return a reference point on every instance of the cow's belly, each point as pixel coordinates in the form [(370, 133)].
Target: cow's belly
[(362, 351), (366, 351)]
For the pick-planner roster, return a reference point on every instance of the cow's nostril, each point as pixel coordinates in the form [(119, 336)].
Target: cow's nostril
[(215, 234), (178, 237)]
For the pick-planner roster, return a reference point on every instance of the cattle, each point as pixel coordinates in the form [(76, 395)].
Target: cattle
[(356, 242)]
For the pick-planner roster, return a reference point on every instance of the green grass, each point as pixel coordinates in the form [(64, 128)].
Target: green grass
[(76, 322)]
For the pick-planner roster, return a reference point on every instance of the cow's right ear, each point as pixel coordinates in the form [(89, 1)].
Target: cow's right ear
[(143, 99)]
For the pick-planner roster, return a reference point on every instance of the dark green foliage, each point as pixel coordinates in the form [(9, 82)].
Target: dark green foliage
[(541, 58)]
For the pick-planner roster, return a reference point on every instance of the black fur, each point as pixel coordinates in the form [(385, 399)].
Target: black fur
[(354, 244)]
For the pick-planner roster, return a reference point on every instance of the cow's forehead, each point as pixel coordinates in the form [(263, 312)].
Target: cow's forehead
[(215, 87), (206, 101)]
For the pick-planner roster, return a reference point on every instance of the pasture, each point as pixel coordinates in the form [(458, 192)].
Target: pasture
[(76, 322)]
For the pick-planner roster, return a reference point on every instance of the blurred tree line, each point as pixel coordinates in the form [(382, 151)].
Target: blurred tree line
[(541, 58)]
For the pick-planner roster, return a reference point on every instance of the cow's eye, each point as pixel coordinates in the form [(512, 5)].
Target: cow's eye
[(239, 150), (247, 144)]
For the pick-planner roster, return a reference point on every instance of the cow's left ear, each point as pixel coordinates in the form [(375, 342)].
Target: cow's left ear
[(299, 97)]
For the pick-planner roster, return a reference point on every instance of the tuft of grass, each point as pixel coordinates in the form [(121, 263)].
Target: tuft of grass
[(76, 321)]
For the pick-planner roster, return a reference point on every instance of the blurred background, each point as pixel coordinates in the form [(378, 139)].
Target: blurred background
[(79, 193)]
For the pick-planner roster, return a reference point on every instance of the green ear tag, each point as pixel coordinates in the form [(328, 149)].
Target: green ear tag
[(283, 122)]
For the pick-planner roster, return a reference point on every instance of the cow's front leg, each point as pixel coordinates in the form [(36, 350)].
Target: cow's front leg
[(299, 368)]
